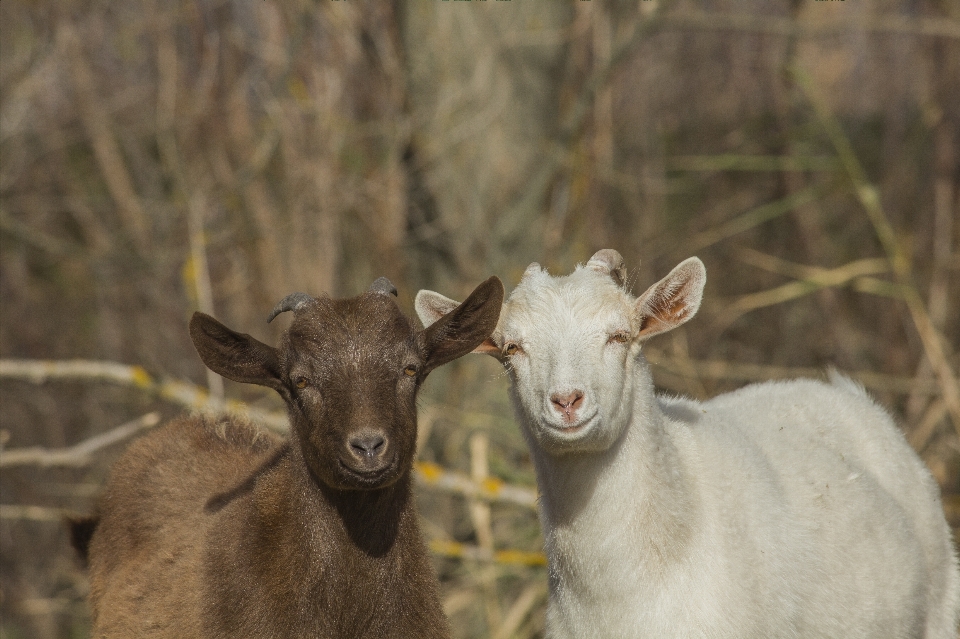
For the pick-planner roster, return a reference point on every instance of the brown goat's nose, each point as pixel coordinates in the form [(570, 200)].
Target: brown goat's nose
[(368, 445), (567, 404)]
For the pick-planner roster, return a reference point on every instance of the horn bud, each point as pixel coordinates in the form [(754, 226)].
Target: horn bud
[(609, 262), (383, 286), (292, 302)]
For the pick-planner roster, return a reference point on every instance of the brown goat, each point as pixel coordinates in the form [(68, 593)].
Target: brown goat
[(212, 528)]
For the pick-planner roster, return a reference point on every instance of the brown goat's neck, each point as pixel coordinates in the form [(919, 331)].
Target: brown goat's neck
[(371, 519), (368, 520)]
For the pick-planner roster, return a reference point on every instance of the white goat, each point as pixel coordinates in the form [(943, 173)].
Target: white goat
[(781, 510)]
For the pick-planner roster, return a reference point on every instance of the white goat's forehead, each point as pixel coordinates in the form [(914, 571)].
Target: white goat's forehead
[(584, 299)]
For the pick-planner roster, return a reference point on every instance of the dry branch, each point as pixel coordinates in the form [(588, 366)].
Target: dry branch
[(733, 162), (520, 609), (933, 344), (475, 553), (100, 129), (81, 454), (734, 371), (811, 279), (180, 392), (755, 217), (744, 22)]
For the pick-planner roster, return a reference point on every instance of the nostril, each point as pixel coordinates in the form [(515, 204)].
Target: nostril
[(368, 445), (567, 403)]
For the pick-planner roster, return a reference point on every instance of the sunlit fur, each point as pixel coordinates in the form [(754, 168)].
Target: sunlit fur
[(782, 510), (211, 529)]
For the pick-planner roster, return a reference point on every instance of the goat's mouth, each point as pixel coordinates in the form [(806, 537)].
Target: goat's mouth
[(365, 477), (568, 429)]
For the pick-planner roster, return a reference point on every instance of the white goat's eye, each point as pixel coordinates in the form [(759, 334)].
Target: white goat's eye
[(410, 371), (511, 348), (619, 338)]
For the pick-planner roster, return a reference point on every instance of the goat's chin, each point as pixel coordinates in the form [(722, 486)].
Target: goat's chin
[(352, 478), (584, 436)]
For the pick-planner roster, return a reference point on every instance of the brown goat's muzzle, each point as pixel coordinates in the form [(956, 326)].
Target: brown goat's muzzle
[(369, 459)]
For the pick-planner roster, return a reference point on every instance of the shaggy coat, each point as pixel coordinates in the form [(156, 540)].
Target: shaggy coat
[(210, 528), (790, 510)]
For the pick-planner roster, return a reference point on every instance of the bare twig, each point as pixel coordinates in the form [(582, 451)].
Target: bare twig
[(924, 431), (732, 371), (520, 609), (571, 127), (180, 392), (869, 198), (80, 454), (465, 551), (899, 25), (99, 129), (732, 162), (32, 513), (813, 278), (430, 475), (481, 516), (755, 217)]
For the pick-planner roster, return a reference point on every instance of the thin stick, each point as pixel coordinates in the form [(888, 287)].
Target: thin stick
[(177, 391), (457, 550), (80, 454), (481, 516), (813, 279), (870, 200), (430, 475), (927, 27), (732, 371), (99, 129), (520, 609)]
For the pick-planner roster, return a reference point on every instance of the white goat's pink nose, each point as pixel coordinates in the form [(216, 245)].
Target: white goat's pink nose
[(567, 404)]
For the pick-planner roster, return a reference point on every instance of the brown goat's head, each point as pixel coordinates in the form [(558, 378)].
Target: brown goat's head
[(349, 370)]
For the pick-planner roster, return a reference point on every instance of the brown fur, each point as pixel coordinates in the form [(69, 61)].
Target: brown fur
[(210, 528)]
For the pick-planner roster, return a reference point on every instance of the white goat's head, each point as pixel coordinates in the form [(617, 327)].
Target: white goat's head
[(570, 344)]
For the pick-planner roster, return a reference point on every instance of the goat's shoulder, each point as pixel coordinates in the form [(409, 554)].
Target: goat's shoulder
[(167, 476)]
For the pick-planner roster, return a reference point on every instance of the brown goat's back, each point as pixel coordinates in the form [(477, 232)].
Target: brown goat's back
[(155, 519)]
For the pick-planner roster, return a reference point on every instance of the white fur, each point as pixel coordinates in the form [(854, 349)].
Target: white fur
[(782, 510)]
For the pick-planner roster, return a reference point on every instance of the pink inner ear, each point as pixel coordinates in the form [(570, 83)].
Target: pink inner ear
[(668, 305), (664, 316)]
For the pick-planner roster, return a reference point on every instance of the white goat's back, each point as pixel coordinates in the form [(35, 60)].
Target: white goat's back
[(817, 481)]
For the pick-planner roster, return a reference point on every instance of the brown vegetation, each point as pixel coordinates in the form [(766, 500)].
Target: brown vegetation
[(159, 158)]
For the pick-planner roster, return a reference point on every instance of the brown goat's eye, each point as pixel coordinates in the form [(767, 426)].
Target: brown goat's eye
[(302, 382), (619, 338), (410, 371), (511, 349)]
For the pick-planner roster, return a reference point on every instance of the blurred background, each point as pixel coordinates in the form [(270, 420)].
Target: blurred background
[(162, 157)]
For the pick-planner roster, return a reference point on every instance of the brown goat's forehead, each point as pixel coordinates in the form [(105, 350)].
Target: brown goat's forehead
[(371, 322)]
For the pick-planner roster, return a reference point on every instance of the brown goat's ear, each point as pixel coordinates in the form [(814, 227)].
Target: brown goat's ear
[(236, 356), (466, 327)]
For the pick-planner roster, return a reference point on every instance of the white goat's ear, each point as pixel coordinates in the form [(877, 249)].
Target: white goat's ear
[(431, 306), (609, 262), (673, 300)]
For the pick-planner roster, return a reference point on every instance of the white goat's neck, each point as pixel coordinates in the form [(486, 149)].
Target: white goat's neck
[(628, 508)]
